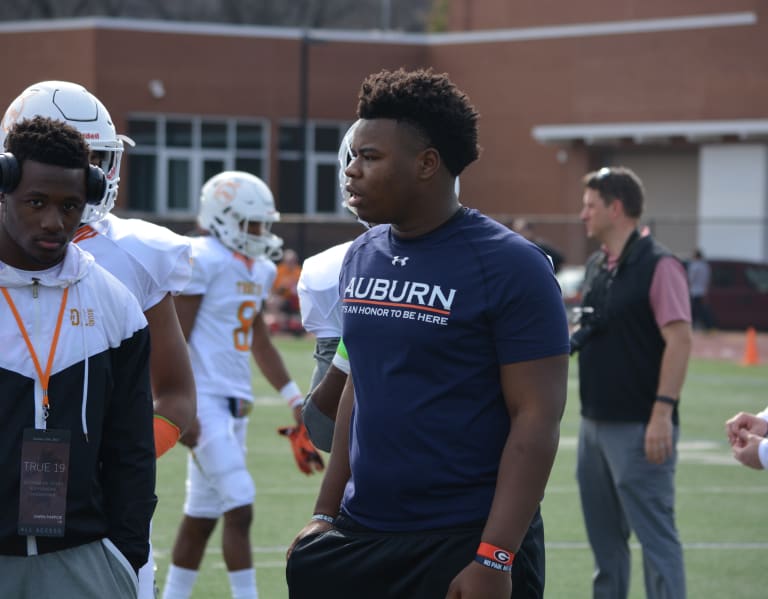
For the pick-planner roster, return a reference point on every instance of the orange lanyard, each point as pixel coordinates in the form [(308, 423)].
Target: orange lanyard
[(44, 376)]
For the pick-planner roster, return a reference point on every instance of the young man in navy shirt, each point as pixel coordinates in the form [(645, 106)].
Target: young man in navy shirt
[(458, 347)]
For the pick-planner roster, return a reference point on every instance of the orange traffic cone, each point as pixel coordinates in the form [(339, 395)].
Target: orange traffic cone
[(751, 356)]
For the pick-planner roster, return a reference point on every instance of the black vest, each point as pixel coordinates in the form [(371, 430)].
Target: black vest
[(620, 363)]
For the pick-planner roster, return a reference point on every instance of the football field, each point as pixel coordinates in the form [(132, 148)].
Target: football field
[(720, 504)]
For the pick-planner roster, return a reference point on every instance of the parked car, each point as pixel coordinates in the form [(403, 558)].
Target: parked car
[(738, 294), (571, 279), (737, 298)]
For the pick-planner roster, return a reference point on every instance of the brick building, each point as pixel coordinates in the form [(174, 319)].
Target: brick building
[(677, 91)]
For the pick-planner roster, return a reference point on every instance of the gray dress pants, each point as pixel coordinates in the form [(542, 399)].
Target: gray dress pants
[(621, 492)]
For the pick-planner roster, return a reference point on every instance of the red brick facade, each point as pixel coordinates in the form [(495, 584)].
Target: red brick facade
[(557, 73)]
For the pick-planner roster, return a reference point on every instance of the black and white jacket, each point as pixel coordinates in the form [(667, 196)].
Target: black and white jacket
[(99, 390)]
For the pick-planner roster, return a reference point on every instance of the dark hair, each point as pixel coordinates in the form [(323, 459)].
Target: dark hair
[(618, 183), (48, 141), (431, 103)]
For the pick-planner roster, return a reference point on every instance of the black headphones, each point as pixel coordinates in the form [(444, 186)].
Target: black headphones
[(10, 174)]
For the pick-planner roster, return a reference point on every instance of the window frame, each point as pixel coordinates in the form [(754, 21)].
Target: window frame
[(195, 155), (314, 160)]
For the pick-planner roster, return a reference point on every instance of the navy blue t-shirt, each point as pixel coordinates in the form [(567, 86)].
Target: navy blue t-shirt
[(428, 322)]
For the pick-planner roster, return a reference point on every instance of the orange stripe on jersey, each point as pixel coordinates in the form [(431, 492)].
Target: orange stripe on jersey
[(84, 232), (397, 305)]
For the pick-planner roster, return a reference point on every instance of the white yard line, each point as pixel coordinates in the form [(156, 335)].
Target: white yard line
[(550, 546), (696, 451)]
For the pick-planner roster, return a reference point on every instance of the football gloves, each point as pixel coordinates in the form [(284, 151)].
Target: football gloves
[(308, 459)]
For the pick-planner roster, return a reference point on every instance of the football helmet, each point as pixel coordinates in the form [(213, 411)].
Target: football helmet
[(345, 157), (230, 201), (76, 106)]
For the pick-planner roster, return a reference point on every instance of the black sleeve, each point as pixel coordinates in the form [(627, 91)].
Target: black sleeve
[(128, 451), (555, 255)]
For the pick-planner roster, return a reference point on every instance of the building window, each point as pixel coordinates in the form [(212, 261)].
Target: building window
[(313, 189), (249, 137), (213, 135), (175, 155), (141, 191), (178, 134), (178, 192)]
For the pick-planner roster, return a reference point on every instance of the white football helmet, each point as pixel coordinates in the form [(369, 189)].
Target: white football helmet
[(75, 105), (345, 157), (231, 200)]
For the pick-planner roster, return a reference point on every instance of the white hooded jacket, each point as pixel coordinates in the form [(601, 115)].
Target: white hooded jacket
[(98, 390)]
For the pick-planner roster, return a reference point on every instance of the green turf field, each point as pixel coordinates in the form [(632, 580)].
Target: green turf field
[(720, 504)]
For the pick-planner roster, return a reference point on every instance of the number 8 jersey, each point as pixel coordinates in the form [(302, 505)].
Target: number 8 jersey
[(234, 289)]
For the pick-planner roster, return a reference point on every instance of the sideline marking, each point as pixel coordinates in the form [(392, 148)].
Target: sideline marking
[(695, 451), (555, 545)]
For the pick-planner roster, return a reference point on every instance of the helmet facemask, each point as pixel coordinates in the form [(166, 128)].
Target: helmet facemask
[(345, 157), (263, 244), (108, 160), (230, 201)]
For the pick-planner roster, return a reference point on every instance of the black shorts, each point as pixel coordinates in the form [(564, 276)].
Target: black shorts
[(352, 562)]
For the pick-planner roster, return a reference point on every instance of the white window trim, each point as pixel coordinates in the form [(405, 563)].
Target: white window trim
[(196, 155)]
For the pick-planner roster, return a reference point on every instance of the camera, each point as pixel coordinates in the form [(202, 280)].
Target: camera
[(580, 337), (588, 326)]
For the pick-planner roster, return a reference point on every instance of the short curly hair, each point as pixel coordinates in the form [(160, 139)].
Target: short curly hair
[(48, 141), (431, 103)]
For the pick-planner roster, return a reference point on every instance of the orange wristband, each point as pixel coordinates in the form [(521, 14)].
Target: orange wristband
[(494, 557), (166, 434)]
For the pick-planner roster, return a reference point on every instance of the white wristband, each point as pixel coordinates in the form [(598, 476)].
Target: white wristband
[(324, 518), (292, 394), (762, 453), (341, 363)]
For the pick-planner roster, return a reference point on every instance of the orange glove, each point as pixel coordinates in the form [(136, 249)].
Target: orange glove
[(307, 457), (166, 434)]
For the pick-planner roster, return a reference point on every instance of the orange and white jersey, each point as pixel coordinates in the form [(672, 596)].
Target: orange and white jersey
[(150, 260), (318, 291), (234, 289)]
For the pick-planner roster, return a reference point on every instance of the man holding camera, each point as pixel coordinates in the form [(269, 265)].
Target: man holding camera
[(633, 344)]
